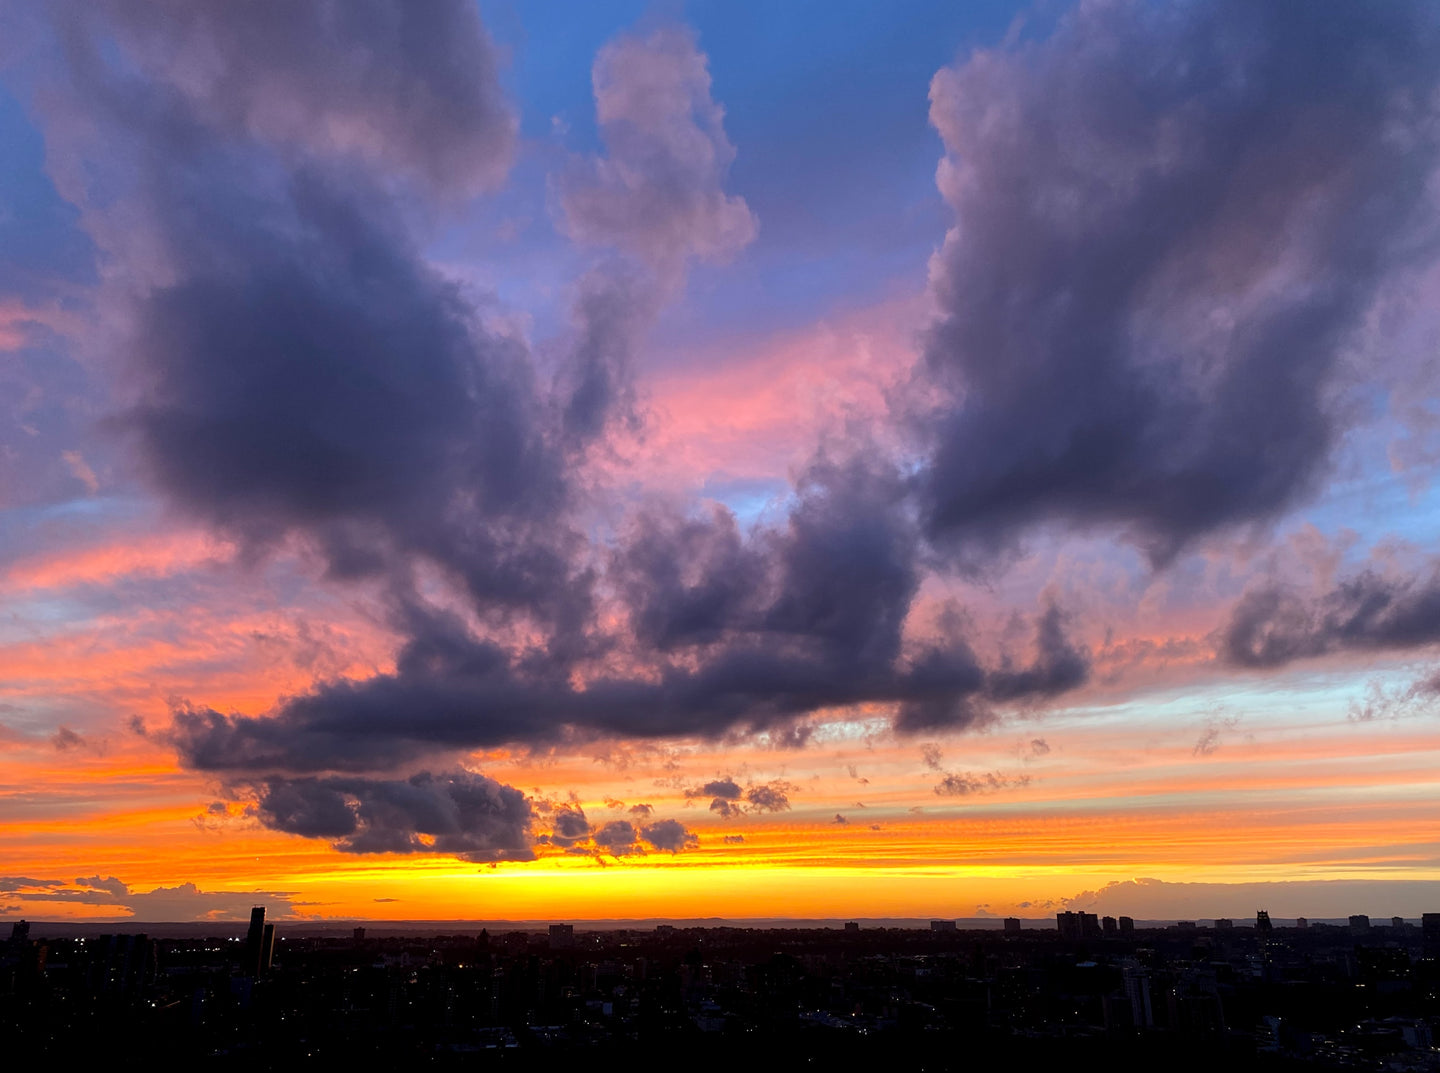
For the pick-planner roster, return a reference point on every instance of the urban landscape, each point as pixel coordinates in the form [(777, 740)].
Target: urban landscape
[(1278, 994)]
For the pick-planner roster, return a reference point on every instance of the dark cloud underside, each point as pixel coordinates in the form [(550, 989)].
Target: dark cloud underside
[(1170, 219)]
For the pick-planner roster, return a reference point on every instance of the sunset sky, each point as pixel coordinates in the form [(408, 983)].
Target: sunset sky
[(743, 459)]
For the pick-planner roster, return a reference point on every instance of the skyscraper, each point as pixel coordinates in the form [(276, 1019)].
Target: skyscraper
[(254, 942)]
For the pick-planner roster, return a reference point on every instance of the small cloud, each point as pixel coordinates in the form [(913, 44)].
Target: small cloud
[(81, 471), (642, 811), (931, 756), (108, 883), (1039, 747), (66, 739), (770, 797), (618, 838), (963, 784), (726, 789), (728, 800), (733, 840), (1212, 731), (570, 826), (669, 836), (839, 819)]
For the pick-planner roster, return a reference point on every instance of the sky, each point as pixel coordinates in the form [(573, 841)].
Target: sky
[(628, 460)]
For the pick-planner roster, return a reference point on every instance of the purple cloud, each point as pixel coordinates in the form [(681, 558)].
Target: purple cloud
[(658, 194)]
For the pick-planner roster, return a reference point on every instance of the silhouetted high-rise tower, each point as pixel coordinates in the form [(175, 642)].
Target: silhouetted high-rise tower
[(254, 942)]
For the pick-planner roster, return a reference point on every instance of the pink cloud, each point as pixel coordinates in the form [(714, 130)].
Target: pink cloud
[(658, 193)]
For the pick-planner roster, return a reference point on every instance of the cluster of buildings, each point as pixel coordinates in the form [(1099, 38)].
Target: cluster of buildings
[(1355, 995)]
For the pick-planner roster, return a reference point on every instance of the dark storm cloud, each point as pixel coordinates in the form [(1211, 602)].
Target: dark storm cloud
[(822, 630), (595, 384), (688, 579), (300, 375), (1170, 219), (412, 88), (296, 368), (1272, 625), (461, 813), (950, 688)]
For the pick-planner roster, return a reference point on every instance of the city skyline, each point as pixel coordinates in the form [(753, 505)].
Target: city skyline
[(483, 461)]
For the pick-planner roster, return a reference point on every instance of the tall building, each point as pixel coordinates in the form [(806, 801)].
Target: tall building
[(1137, 990), (942, 925), (267, 948), (1398, 923), (1262, 921), (1109, 926), (1069, 924), (852, 925), (123, 964), (1302, 922), (254, 942), (1430, 934), (1127, 926), (20, 932), (1012, 925), (1359, 924), (562, 936), (1224, 924)]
